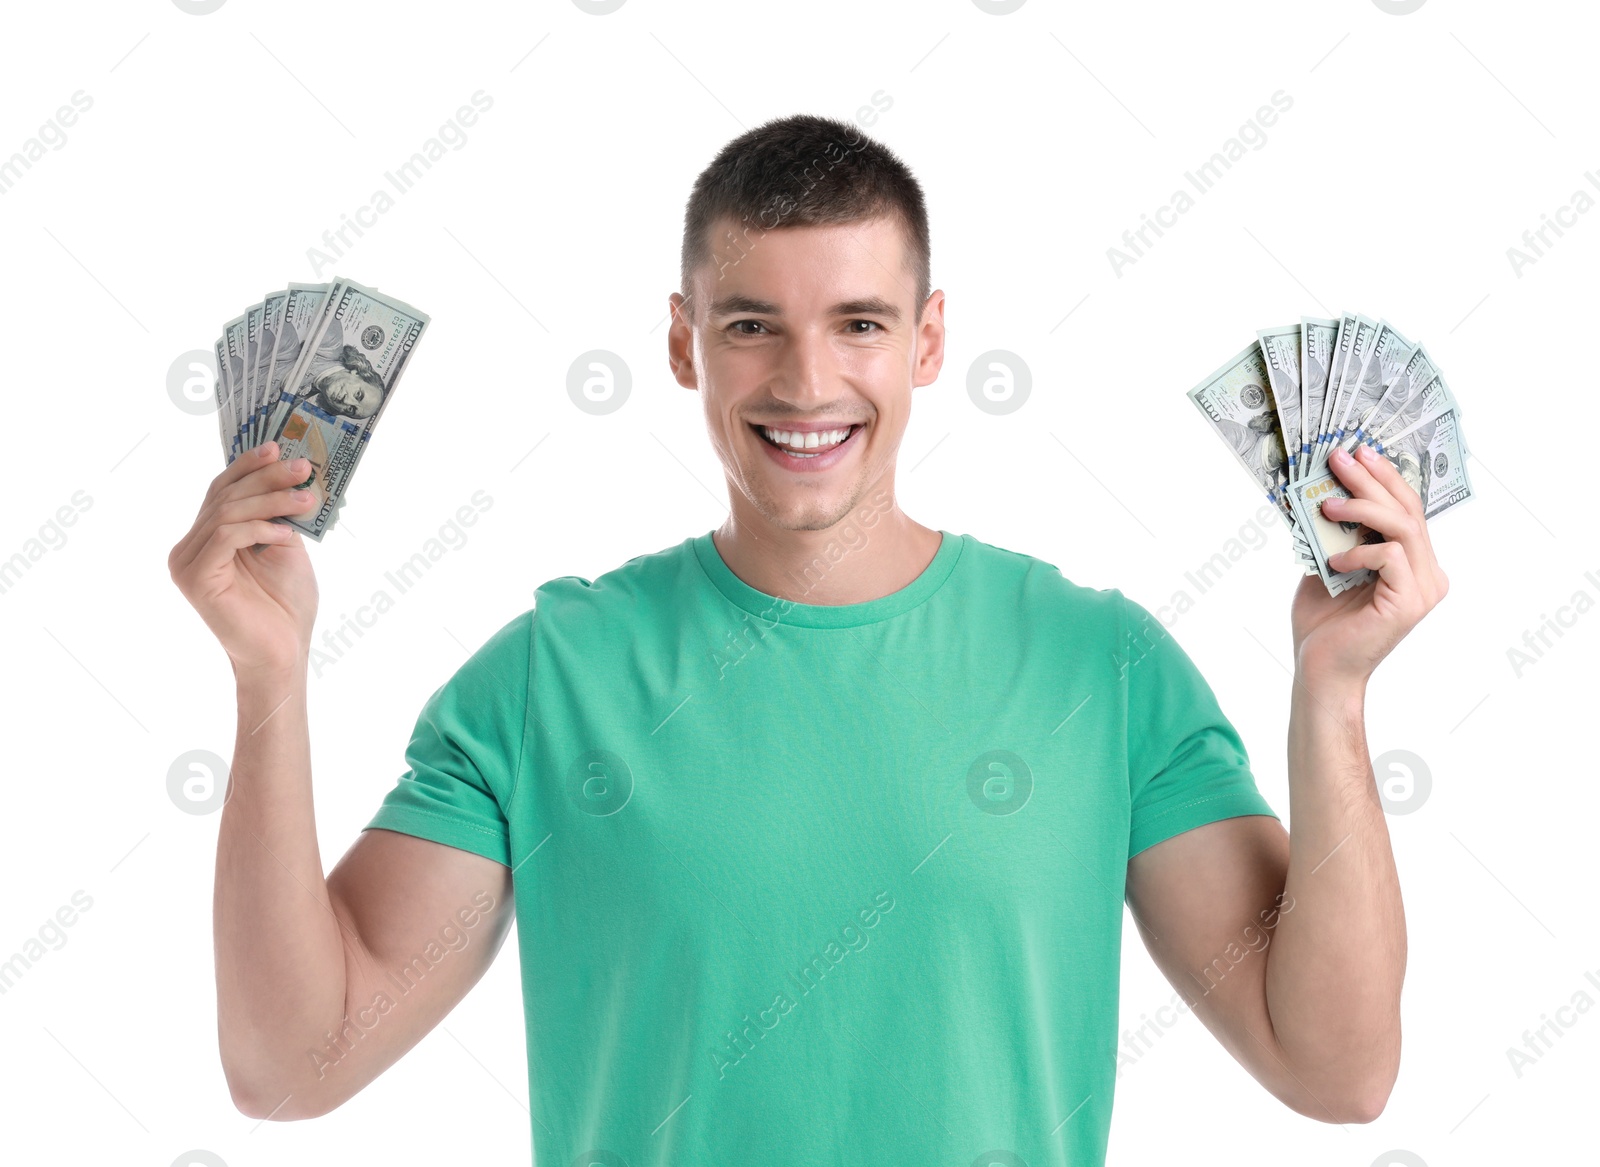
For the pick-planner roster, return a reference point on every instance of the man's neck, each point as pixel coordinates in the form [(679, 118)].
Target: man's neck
[(846, 564)]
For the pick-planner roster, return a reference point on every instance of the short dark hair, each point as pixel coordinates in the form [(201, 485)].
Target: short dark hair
[(805, 170)]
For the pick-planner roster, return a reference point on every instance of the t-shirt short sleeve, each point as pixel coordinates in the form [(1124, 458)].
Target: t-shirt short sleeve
[(465, 751), (1186, 763)]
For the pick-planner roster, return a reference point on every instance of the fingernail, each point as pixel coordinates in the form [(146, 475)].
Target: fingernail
[(1341, 456), (1367, 452)]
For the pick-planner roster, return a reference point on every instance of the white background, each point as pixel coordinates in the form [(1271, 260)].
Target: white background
[(219, 148)]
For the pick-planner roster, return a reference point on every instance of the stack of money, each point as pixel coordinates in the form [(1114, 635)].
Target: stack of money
[(312, 368), (1285, 403)]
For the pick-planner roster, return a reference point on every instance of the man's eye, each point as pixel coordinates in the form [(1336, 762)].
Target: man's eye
[(874, 324), (735, 325)]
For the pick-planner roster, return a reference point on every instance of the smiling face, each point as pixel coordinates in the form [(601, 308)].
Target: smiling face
[(808, 328)]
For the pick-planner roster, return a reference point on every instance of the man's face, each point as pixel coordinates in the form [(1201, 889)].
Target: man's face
[(348, 394), (801, 326)]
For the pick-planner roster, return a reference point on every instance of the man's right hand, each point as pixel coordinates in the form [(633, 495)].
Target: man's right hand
[(261, 603)]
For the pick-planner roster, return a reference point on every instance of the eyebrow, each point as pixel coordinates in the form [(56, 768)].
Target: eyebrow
[(867, 306)]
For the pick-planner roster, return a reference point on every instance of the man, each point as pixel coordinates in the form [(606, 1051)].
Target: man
[(818, 826)]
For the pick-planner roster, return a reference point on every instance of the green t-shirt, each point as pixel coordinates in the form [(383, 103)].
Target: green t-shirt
[(821, 884)]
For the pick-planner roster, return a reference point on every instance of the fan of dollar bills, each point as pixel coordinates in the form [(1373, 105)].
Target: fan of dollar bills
[(312, 368), (1285, 403)]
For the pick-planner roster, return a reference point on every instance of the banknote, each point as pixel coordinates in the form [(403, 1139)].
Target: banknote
[(233, 334), (224, 405), (1280, 349), (347, 374), (1383, 362), (261, 372), (313, 367), (1329, 536), (1344, 337), (1316, 356), (1340, 394), (1352, 381), (1417, 392), (302, 311), (1237, 400)]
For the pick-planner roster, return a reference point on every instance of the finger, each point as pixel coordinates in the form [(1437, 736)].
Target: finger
[(1387, 518), (226, 540), (1386, 473), (1358, 478), (245, 463), (1387, 559), (287, 501), (1424, 561), (274, 476)]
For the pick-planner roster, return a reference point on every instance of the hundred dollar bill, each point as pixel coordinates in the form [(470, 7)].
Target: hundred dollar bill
[(1329, 536), (1385, 359), (252, 350), (1280, 349), (1344, 336), (1237, 400), (1339, 396), (233, 339), (1431, 456), (224, 406), (1416, 394), (346, 376), (261, 375), (302, 310), (1316, 355)]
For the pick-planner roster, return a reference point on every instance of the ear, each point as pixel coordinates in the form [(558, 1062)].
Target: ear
[(680, 341)]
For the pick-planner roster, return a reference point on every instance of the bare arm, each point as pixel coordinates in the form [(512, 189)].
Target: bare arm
[(322, 984), (1291, 949), (1314, 1013), (301, 960)]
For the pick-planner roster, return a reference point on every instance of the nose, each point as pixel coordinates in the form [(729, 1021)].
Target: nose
[(805, 377)]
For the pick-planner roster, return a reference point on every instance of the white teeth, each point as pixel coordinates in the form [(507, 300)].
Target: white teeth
[(806, 441)]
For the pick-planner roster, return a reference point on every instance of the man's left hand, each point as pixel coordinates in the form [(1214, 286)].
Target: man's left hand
[(1340, 639)]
